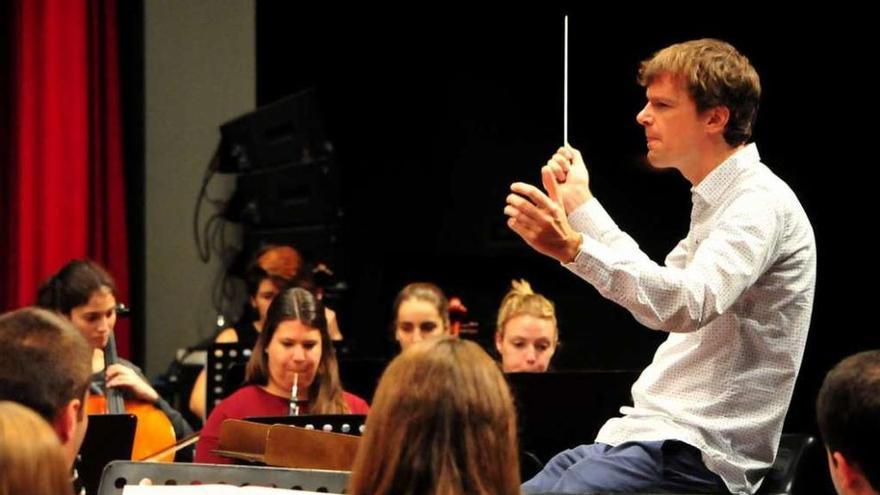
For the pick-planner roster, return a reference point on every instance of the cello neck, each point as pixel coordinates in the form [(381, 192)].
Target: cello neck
[(115, 401)]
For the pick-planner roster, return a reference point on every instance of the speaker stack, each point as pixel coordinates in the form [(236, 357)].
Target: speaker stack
[(287, 189)]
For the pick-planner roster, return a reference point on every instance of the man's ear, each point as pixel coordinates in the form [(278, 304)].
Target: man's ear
[(66, 420), (847, 476), (716, 119)]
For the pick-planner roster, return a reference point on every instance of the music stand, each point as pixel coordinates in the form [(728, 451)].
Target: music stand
[(286, 445), (120, 474), (348, 424), (225, 372), (559, 410), (109, 437)]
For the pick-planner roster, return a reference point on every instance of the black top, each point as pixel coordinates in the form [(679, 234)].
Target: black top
[(247, 333)]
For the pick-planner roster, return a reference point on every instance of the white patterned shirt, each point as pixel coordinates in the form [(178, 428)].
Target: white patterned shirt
[(736, 297)]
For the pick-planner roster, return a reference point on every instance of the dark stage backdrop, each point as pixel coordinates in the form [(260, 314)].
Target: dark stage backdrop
[(435, 112)]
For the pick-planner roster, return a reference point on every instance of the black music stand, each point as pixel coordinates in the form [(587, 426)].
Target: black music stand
[(559, 410), (225, 372), (349, 424), (109, 437)]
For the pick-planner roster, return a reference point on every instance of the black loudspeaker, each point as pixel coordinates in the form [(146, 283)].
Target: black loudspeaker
[(287, 132), (287, 189), (287, 174), (301, 194)]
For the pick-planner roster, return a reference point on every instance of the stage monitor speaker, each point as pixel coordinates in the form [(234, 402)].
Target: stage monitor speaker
[(286, 132), (307, 193)]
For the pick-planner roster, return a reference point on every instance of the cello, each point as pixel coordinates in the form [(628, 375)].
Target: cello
[(154, 431)]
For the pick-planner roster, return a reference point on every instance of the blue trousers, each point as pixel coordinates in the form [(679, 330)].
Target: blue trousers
[(657, 466)]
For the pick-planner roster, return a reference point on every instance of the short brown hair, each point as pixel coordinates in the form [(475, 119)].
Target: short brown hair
[(442, 422), (715, 75), (848, 411), (46, 361)]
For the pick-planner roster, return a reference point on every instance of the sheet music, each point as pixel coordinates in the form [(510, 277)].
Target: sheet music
[(208, 489)]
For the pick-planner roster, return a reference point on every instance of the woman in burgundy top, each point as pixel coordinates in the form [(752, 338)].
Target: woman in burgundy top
[(294, 343)]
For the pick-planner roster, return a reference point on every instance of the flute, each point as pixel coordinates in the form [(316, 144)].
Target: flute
[(294, 402)]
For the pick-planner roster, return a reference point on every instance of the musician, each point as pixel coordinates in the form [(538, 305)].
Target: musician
[(442, 422), (85, 294), (45, 366), (527, 335), (848, 413), (262, 289), (281, 260), (272, 269), (31, 458), (294, 352), (421, 311)]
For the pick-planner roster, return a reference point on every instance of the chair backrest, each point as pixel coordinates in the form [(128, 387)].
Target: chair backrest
[(780, 480), (117, 474)]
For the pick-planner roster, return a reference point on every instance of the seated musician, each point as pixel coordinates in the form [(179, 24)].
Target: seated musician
[(442, 422), (527, 335), (45, 366), (31, 458), (294, 351), (272, 268), (262, 289), (85, 294), (281, 260), (421, 311)]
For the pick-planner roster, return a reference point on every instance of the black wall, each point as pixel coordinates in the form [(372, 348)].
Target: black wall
[(435, 113)]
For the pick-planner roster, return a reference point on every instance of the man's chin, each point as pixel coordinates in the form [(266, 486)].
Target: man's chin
[(657, 161)]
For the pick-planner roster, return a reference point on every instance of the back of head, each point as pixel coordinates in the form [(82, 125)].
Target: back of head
[(715, 74), (280, 260), (848, 412), (442, 422), (73, 285), (522, 300), (31, 458), (46, 361)]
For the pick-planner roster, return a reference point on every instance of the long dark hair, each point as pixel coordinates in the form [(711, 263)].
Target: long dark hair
[(73, 286), (294, 303)]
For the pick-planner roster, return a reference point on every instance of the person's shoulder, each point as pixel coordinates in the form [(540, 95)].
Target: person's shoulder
[(244, 396), (765, 194), (239, 403), (356, 404), (228, 335)]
